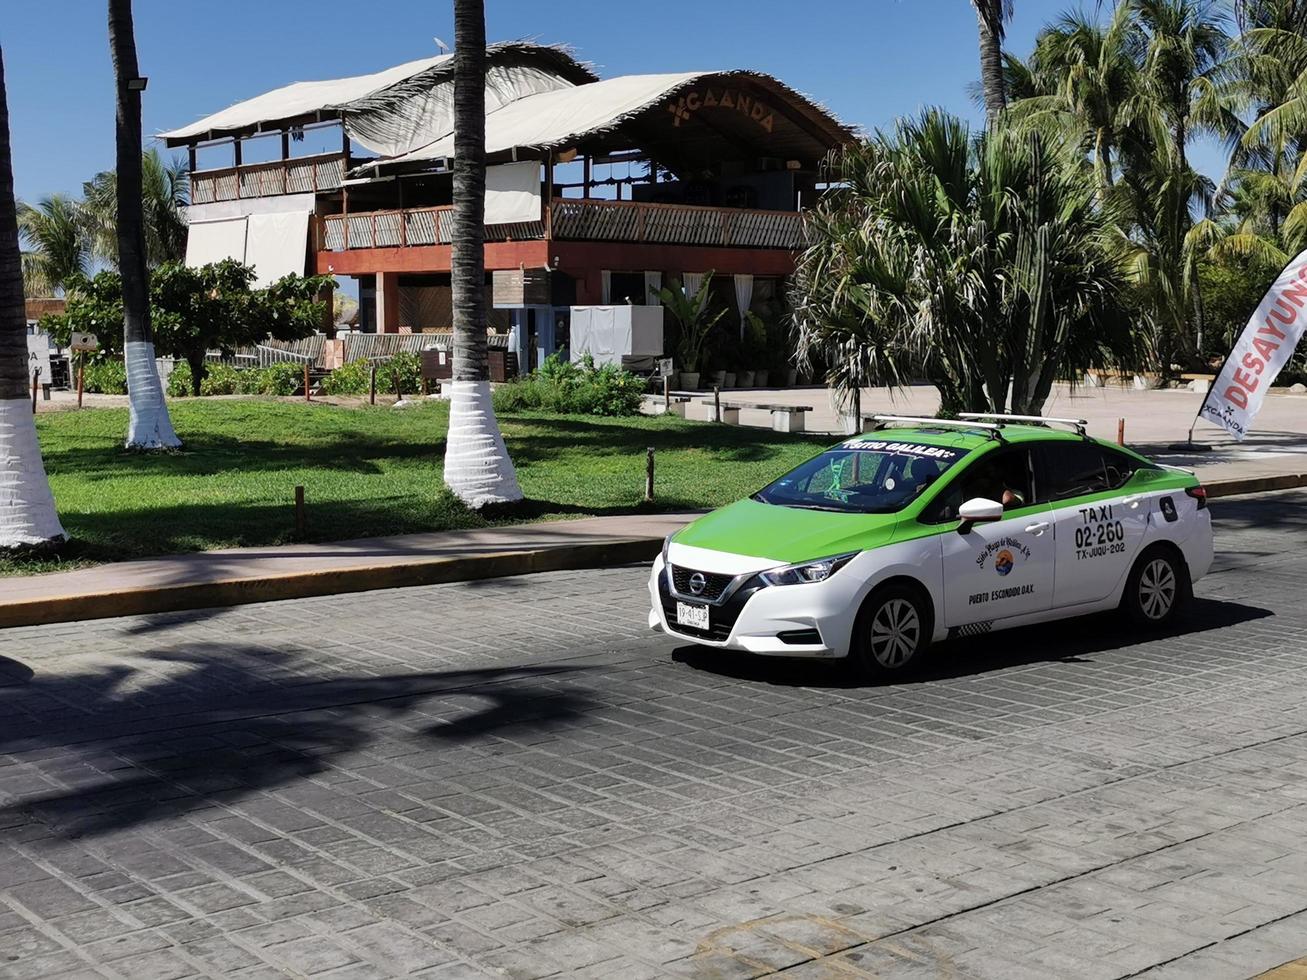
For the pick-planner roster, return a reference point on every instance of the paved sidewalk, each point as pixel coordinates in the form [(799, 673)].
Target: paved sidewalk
[(238, 575)]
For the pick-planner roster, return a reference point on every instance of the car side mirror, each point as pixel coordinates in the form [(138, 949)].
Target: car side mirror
[(978, 510)]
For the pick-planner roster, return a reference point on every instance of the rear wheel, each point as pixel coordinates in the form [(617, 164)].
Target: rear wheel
[(1157, 589), (892, 632)]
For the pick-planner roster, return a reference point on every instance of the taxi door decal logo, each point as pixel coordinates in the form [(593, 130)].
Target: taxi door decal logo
[(1004, 562)]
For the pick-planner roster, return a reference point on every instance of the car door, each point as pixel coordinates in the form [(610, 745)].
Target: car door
[(1098, 522), (1001, 569)]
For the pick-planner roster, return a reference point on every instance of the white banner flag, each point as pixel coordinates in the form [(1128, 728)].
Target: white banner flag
[(1260, 353)]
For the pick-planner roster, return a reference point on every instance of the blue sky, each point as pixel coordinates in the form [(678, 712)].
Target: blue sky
[(868, 60)]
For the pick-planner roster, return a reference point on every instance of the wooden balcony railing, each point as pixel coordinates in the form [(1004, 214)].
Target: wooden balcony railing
[(675, 224), (411, 226), (593, 221), (304, 175)]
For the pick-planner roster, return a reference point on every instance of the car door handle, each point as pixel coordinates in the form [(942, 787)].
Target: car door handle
[(1037, 528), (1133, 500)]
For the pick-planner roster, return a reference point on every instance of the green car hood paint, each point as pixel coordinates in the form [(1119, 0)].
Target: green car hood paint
[(786, 534)]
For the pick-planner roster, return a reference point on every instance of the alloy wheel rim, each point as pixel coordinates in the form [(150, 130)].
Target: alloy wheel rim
[(895, 633), (1157, 587)]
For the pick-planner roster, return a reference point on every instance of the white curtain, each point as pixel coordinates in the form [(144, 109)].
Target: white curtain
[(743, 296), (653, 282), (276, 245), (691, 281), (605, 288), (213, 241), (513, 193)]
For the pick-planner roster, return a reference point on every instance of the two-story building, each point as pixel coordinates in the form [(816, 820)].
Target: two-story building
[(598, 190)]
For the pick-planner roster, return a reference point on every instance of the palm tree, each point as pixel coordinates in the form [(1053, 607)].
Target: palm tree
[(987, 264), (27, 514), (1088, 81), (58, 247), (149, 426), (477, 467), (165, 187), (991, 20)]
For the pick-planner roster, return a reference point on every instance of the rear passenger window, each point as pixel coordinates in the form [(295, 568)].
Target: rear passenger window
[(1074, 469)]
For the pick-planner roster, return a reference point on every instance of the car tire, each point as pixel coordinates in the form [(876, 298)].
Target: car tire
[(1158, 588), (892, 632)]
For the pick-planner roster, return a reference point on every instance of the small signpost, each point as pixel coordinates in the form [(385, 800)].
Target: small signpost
[(80, 344)]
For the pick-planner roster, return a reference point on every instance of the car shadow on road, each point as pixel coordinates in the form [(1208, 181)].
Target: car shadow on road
[(1076, 640), (170, 734)]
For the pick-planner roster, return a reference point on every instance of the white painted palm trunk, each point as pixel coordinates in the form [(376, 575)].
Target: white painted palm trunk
[(477, 467), (149, 426), (27, 514)]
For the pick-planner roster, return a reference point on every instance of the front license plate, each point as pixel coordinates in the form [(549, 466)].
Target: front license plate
[(691, 615)]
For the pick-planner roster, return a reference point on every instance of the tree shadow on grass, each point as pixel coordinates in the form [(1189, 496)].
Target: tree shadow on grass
[(212, 731), (1066, 641)]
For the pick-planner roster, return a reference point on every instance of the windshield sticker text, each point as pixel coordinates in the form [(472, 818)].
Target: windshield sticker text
[(903, 448)]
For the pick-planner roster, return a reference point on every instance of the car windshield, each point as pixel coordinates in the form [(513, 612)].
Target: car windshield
[(862, 477)]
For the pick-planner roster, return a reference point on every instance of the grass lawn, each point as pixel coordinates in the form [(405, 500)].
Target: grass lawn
[(366, 471)]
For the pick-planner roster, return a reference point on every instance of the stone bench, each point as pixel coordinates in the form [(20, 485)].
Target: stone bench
[(784, 418)]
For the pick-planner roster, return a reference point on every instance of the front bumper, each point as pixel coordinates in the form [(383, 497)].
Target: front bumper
[(755, 616)]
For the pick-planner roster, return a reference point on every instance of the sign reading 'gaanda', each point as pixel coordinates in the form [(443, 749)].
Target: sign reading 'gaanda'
[(707, 98)]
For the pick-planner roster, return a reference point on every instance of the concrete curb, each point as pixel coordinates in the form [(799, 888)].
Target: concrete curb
[(1255, 484), (300, 585), (365, 578)]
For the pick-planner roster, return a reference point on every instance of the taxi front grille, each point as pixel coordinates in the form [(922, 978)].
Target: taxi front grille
[(721, 619), (713, 584)]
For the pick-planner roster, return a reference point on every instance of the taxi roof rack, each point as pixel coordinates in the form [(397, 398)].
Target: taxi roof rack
[(1077, 424), (994, 431)]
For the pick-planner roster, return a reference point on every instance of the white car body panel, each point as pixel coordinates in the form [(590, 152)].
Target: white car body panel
[(945, 565)]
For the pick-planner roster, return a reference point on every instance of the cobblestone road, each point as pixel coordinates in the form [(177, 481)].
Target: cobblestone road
[(516, 778)]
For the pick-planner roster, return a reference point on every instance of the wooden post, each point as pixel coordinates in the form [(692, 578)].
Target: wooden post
[(399, 394), (1120, 432), (36, 377), (716, 403), (585, 190), (372, 386), (667, 394), (308, 395), (649, 476), (81, 377), (301, 518)]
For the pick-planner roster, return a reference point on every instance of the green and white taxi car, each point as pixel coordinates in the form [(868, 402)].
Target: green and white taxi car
[(925, 529)]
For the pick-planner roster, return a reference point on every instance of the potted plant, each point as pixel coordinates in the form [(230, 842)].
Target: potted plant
[(696, 321)]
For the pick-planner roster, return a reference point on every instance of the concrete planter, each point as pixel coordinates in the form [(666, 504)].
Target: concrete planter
[(690, 380), (745, 378)]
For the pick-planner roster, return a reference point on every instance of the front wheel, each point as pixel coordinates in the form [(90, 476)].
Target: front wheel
[(892, 632), (1157, 589)]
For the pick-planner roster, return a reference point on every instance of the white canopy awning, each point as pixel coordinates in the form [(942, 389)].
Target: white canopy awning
[(557, 118), (393, 111), (300, 99)]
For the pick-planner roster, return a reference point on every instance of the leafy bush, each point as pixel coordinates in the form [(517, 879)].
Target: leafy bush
[(106, 377), (572, 389), (354, 377), (179, 382), (222, 379)]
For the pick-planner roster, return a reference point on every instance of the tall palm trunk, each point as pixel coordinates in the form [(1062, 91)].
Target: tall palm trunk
[(149, 426), (989, 19), (477, 467), (27, 515)]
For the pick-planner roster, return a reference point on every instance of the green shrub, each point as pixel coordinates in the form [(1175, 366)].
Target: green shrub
[(222, 379), (179, 382), (106, 377), (354, 378), (219, 379), (572, 389)]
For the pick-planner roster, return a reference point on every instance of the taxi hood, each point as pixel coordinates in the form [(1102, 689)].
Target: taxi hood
[(786, 535)]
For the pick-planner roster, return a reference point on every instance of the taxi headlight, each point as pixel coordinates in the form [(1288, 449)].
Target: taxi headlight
[(807, 572)]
